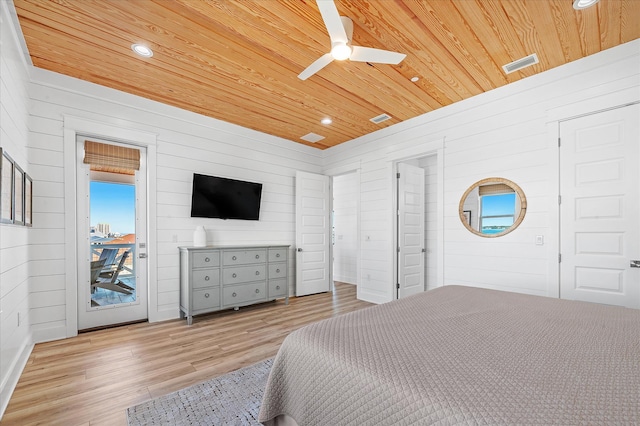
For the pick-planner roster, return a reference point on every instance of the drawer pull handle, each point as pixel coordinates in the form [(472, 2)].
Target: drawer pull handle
[(277, 254), (277, 287), (278, 271), (257, 272), (257, 290), (234, 275), (206, 259), (206, 278), (206, 295), (257, 256), (234, 258), (234, 294)]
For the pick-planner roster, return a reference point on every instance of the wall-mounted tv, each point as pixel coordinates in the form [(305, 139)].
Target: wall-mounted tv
[(223, 198)]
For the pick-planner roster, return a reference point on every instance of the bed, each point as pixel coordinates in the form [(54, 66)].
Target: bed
[(465, 356)]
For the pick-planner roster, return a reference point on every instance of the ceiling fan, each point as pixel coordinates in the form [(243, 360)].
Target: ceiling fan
[(340, 29)]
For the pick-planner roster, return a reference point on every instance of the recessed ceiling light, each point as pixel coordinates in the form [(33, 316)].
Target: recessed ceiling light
[(583, 4), (326, 121), (414, 79), (142, 50)]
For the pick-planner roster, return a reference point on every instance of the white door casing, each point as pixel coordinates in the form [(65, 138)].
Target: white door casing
[(92, 316), (599, 219), (411, 240), (313, 233)]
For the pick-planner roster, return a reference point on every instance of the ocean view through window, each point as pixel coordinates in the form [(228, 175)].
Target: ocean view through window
[(497, 212)]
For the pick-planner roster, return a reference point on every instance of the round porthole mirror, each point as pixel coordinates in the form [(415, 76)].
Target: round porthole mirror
[(492, 207)]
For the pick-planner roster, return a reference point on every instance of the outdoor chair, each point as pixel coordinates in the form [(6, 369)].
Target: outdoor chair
[(109, 256), (110, 281)]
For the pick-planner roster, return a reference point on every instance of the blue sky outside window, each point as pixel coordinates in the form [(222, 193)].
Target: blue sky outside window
[(115, 204)]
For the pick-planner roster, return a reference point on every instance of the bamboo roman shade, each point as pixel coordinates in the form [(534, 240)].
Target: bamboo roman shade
[(494, 189), (111, 158)]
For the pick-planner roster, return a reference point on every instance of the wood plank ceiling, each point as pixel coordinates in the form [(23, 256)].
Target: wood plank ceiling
[(238, 61)]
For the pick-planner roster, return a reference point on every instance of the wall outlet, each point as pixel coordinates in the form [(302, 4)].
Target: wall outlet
[(174, 238), (539, 240)]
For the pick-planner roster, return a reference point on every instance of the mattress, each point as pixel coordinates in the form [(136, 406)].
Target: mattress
[(461, 356)]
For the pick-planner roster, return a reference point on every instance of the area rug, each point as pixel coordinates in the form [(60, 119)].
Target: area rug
[(231, 399)]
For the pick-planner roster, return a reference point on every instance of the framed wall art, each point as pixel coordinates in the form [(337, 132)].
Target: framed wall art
[(18, 195), (28, 200), (6, 188)]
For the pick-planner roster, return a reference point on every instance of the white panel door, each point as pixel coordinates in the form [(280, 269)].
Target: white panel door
[(599, 212), (410, 230), (313, 233)]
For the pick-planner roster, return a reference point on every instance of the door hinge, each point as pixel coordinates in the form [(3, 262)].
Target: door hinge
[(398, 249), (559, 199), (398, 175), (398, 286), (558, 142), (559, 257)]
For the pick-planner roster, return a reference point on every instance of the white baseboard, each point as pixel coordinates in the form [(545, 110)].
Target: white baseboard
[(166, 315), (11, 380), (49, 334)]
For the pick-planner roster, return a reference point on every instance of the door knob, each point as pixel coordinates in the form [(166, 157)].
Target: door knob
[(299, 248), (635, 264)]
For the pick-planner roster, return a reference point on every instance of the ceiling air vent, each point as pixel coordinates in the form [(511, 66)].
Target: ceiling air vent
[(312, 137), (379, 119), (521, 63)]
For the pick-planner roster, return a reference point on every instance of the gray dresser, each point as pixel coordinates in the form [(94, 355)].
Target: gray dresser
[(222, 277)]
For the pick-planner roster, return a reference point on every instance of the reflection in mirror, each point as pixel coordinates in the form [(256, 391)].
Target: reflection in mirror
[(492, 207)]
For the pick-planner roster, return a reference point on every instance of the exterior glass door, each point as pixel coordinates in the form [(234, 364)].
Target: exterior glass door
[(111, 212)]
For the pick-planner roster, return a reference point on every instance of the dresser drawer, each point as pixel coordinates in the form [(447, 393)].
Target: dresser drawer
[(240, 294), (208, 298), (205, 259), (243, 274), (278, 255), (277, 288), (205, 277), (244, 257), (277, 270)]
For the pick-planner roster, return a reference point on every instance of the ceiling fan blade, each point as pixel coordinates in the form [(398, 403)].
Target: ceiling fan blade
[(332, 21), (378, 56), (320, 63)]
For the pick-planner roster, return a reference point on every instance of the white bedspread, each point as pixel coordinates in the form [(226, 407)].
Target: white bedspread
[(464, 356)]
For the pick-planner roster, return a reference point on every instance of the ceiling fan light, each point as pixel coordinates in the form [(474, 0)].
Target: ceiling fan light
[(583, 4), (340, 51)]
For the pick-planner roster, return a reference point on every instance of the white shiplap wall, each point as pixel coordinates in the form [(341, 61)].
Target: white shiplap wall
[(186, 143), (345, 207), (15, 336), (509, 132)]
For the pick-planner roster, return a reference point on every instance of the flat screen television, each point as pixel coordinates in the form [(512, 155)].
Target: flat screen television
[(223, 198)]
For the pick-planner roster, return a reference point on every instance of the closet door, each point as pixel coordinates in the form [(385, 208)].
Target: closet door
[(411, 250), (599, 186), (313, 233)]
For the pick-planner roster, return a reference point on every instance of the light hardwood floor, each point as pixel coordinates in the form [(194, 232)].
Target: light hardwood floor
[(91, 379)]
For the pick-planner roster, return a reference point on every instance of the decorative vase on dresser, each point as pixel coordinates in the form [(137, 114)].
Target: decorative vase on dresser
[(200, 237), (222, 277)]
